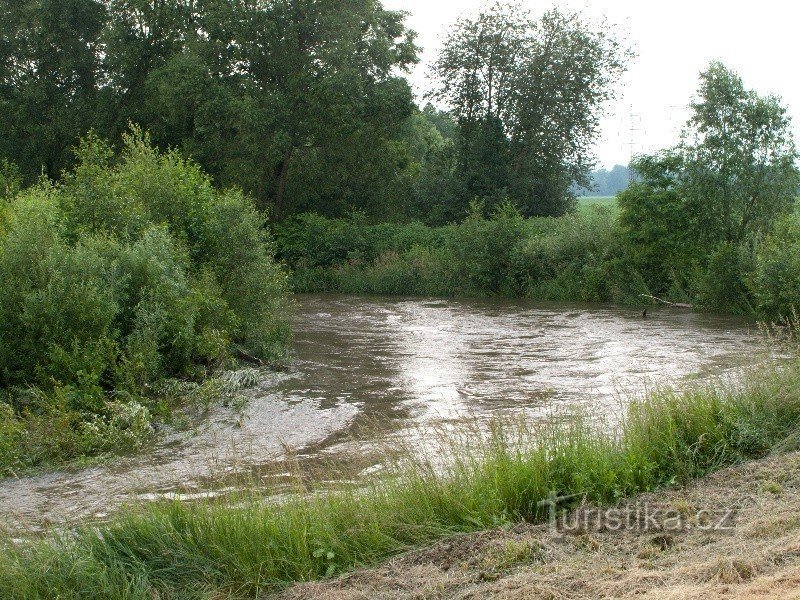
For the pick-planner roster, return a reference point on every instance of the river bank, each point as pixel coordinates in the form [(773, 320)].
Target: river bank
[(755, 554), (247, 546), (370, 373)]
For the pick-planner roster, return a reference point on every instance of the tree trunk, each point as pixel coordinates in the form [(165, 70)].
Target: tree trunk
[(280, 189)]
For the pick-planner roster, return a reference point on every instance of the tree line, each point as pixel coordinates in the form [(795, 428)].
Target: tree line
[(608, 182), (304, 104), (711, 221)]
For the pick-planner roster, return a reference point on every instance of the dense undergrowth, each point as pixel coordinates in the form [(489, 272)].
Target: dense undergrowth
[(250, 546), (131, 273), (577, 257), (595, 255)]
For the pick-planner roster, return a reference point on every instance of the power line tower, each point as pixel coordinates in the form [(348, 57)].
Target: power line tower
[(636, 131)]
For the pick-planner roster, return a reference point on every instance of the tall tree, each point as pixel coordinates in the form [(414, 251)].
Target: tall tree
[(740, 159), (700, 208), (325, 73), (49, 79), (294, 100), (300, 102), (531, 90)]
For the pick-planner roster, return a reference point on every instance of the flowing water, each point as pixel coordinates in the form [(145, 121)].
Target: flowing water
[(367, 370)]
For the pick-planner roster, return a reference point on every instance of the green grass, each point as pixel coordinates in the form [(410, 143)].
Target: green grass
[(250, 546), (585, 203)]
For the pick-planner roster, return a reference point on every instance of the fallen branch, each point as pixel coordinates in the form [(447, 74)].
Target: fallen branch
[(242, 355), (676, 304)]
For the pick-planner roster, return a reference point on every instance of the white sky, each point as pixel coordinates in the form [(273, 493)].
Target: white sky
[(674, 41)]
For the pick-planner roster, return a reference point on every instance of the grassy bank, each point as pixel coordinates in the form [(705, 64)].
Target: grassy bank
[(749, 554), (249, 546)]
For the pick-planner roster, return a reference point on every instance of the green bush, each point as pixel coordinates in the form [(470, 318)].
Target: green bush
[(578, 257), (483, 249), (10, 180), (775, 282), (655, 228), (595, 255), (721, 286), (133, 270)]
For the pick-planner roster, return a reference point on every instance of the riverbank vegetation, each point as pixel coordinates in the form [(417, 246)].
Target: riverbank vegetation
[(368, 193), (711, 222), (124, 287), (579, 257), (128, 281), (247, 544), (305, 105)]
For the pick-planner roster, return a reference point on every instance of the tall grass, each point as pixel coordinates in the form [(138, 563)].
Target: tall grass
[(248, 546)]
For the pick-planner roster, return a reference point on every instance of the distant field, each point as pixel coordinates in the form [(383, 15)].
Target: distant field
[(585, 202)]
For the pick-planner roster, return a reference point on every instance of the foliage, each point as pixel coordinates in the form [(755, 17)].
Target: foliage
[(739, 159), (699, 212), (721, 285), (528, 94), (775, 282), (299, 102), (132, 270), (578, 257), (303, 104), (10, 180), (50, 74), (658, 225), (249, 547)]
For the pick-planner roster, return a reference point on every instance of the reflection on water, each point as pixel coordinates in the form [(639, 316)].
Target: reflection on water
[(368, 368)]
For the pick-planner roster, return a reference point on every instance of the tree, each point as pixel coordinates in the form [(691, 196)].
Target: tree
[(658, 224), (319, 101), (700, 209), (300, 102), (528, 94), (739, 159), (49, 79), (607, 183)]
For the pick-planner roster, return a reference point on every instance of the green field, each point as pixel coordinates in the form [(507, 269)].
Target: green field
[(585, 202)]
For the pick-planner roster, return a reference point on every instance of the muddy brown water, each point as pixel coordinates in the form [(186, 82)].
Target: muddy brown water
[(365, 370)]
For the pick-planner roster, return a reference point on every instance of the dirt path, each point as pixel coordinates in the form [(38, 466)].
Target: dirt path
[(677, 549)]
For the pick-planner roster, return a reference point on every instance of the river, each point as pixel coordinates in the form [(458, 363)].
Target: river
[(365, 371)]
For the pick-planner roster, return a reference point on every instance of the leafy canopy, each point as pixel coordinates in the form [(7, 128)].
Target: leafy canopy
[(528, 94)]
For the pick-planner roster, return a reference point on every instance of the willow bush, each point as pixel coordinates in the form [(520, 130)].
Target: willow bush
[(578, 257), (132, 270)]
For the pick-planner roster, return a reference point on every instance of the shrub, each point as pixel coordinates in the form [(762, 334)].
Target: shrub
[(721, 286), (133, 270), (577, 257), (10, 180), (775, 282), (482, 251)]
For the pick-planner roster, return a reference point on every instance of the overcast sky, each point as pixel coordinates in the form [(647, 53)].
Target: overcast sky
[(674, 41)]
